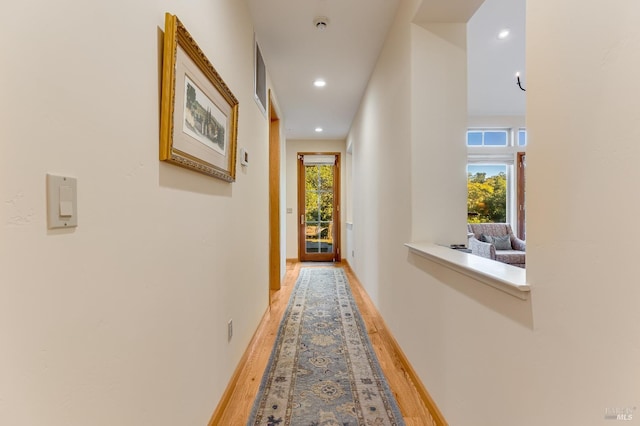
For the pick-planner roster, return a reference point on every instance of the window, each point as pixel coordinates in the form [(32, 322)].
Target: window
[(492, 181), (522, 137), (487, 193), (487, 137)]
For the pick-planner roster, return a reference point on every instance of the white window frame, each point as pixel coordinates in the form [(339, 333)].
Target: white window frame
[(500, 155), (508, 131)]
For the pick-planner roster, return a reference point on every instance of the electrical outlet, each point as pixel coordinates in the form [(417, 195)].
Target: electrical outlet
[(230, 329)]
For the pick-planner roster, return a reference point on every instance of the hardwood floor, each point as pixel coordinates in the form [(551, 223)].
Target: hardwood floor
[(235, 405)]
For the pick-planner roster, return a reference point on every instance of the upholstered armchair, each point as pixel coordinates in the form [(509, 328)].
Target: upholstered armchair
[(498, 242)]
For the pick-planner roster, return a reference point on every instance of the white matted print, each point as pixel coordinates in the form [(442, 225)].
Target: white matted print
[(202, 118)]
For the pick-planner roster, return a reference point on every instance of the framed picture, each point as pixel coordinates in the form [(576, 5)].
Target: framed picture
[(199, 114), (259, 79)]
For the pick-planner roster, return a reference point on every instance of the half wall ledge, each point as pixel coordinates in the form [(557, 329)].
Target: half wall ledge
[(507, 278)]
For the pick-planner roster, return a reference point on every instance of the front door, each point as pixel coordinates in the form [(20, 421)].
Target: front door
[(318, 207)]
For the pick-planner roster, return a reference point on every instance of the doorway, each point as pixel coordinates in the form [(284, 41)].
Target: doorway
[(319, 207), (274, 199)]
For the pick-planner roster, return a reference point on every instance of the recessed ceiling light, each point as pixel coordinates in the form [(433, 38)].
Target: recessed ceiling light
[(319, 83), (503, 34), (319, 129)]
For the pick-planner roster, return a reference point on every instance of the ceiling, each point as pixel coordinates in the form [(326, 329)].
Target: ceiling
[(344, 54), (492, 63)]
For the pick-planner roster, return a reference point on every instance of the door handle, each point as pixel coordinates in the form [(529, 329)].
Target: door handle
[(301, 219)]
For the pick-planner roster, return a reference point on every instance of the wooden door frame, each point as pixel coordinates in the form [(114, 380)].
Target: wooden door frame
[(520, 202), (336, 206), (274, 197)]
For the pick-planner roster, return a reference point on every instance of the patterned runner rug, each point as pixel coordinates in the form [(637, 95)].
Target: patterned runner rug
[(323, 371)]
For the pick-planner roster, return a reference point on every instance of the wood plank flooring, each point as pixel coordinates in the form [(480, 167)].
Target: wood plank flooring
[(236, 403)]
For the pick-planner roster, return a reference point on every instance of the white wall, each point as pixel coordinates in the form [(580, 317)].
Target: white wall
[(439, 124), (349, 249), (293, 148), (381, 176), (466, 340), (497, 121), (582, 112), (487, 358), (122, 321), (348, 167)]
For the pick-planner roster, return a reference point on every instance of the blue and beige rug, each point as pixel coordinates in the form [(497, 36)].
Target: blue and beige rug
[(323, 371)]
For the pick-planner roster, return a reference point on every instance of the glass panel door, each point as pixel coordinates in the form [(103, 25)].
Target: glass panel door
[(318, 207)]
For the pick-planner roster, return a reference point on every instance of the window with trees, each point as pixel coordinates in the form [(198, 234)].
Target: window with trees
[(487, 193), (492, 184)]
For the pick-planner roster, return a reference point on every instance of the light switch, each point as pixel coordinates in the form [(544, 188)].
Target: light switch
[(66, 201), (62, 209), (66, 208)]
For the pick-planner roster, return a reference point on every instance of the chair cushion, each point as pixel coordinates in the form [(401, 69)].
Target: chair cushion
[(501, 243), (511, 256), (493, 229)]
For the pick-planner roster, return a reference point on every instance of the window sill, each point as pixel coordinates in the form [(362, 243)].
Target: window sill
[(507, 278)]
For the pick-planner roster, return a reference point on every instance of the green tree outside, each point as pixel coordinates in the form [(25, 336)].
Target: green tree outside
[(319, 193), (319, 196), (487, 198)]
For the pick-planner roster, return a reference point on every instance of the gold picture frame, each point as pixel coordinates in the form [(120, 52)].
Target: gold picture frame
[(199, 113)]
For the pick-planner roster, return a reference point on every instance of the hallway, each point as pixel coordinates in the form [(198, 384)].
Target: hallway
[(238, 399)]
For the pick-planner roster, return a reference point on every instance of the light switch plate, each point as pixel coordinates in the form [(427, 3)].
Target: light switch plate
[(62, 202), (244, 157)]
